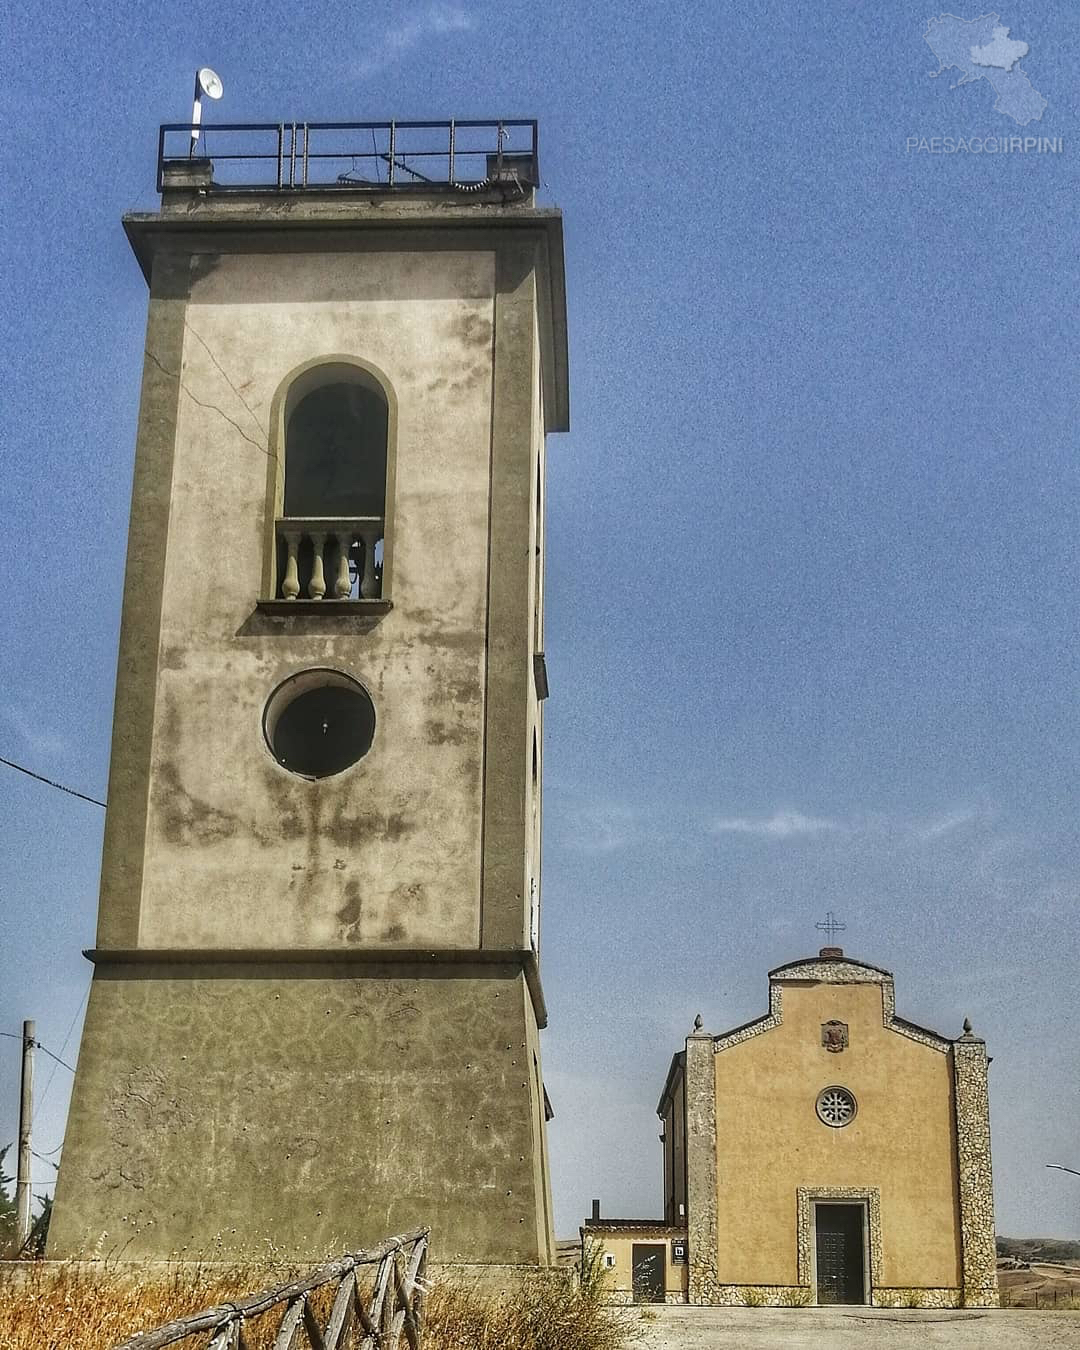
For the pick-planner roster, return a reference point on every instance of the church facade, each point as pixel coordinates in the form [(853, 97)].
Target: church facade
[(831, 1151)]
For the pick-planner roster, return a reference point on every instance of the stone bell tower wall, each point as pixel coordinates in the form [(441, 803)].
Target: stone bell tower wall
[(232, 1110), (315, 1010), (210, 842)]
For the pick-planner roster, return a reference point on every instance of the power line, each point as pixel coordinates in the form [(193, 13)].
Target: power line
[(62, 1062), (49, 783), (11, 1035), (63, 1046)]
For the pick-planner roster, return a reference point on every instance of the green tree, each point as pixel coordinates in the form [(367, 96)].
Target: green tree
[(7, 1205), (39, 1228)]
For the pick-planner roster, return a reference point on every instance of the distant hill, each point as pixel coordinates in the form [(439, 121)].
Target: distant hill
[(1061, 1250)]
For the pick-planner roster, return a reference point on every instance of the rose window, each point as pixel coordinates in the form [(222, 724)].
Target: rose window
[(836, 1107)]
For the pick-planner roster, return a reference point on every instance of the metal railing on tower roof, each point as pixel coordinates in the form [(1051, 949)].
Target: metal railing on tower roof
[(371, 157)]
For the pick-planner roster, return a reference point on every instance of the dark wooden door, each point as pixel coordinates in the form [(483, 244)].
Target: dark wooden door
[(647, 1260), (840, 1274)]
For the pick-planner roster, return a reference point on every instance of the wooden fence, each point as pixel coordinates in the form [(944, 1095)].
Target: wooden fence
[(393, 1306), (1042, 1297)]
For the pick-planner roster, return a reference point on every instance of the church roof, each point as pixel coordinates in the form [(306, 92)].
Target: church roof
[(818, 968)]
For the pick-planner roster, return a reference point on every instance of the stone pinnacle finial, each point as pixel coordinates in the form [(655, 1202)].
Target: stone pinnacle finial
[(699, 1022), (967, 1026)]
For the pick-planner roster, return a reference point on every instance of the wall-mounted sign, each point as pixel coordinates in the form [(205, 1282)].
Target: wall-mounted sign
[(678, 1251)]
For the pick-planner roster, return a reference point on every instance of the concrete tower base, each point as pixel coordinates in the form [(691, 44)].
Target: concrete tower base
[(236, 1108)]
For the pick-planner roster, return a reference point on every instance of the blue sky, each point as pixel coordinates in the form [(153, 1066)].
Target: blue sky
[(813, 571)]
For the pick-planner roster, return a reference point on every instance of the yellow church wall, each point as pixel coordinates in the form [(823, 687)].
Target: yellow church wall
[(770, 1141)]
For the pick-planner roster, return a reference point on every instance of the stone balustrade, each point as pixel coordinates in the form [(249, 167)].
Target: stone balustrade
[(322, 557)]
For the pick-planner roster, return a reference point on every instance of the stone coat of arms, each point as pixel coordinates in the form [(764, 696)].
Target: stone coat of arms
[(834, 1036)]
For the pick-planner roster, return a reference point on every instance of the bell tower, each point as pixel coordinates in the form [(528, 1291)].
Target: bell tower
[(316, 999)]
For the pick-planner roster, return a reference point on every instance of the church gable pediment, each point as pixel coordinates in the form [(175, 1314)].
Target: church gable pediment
[(831, 967)]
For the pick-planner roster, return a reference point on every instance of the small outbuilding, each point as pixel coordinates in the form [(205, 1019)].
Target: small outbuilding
[(830, 1151), (643, 1260)]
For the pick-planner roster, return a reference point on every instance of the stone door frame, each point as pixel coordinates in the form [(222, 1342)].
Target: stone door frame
[(870, 1198)]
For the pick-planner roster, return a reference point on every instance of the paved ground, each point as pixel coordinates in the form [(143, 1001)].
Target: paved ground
[(676, 1328)]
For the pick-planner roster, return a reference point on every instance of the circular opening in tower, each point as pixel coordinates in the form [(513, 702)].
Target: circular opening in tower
[(319, 722)]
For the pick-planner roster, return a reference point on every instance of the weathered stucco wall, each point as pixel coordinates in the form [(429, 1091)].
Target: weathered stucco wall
[(237, 1108), (239, 852), (769, 1141)]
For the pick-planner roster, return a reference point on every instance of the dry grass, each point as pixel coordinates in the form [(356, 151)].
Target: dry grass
[(541, 1315), (1044, 1285), (46, 1305), (56, 1307)]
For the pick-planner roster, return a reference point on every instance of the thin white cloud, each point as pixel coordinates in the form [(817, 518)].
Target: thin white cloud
[(600, 827), (785, 823), (780, 825), (433, 20), (949, 821), (37, 738)]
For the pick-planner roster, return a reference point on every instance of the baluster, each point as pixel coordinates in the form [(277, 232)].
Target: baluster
[(317, 585), (369, 587), (290, 586), (343, 584)]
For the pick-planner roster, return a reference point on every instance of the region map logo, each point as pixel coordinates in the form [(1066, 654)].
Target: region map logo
[(984, 49), (981, 49)]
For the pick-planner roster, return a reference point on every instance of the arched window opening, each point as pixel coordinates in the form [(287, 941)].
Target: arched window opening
[(335, 452), (334, 501)]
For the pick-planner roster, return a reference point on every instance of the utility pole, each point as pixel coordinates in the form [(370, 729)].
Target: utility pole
[(23, 1198)]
